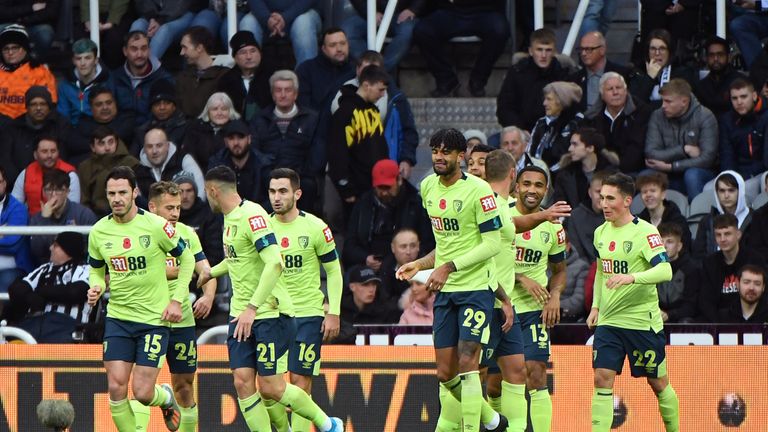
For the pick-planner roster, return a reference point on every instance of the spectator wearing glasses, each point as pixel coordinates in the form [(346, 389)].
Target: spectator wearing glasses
[(658, 69), (19, 72), (592, 49)]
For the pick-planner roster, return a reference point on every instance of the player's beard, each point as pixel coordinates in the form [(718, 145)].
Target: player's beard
[(287, 206), (126, 209), (450, 168)]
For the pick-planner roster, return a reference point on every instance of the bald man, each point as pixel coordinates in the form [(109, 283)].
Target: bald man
[(161, 160)]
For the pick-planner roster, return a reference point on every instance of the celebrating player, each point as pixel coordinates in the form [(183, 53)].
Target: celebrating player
[(262, 327), (306, 242), (625, 308), (165, 201), (133, 245), (537, 299), (466, 223)]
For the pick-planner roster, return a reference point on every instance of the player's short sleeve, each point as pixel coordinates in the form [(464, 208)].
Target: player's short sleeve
[(486, 210), (652, 248), (168, 237), (95, 259), (557, 250), (194, 245), (259, 231), (325, 245)]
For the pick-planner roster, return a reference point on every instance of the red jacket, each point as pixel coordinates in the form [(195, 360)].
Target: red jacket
[(33, 183)]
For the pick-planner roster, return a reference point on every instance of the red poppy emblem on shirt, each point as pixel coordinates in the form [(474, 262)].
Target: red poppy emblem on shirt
[(527, 235), (126, 243), (612, 246), (284, 242), (442, 204)]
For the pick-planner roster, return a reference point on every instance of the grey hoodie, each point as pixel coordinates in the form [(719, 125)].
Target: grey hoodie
[(666, 137)]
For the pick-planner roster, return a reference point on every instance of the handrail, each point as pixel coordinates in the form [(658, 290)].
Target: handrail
[(93, 14), (43, 229), (538, 14), (573, 33), (212, 333), (16, 332)]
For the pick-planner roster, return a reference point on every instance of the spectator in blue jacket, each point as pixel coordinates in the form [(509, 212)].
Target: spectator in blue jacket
[(395, 110), (321, 76), (87, 73), (15, 260), (134, 80), (743, 135)]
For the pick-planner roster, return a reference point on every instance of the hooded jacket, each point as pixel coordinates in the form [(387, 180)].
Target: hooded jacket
[(624, 136), (174, 163), (705, 234), (743, 140), (132, 91), (93, 177), (666, 137), (521, 96), (73, 93)]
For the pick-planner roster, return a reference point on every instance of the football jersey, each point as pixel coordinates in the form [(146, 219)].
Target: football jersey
[(505, 270), (305, 243), (632, 248), (134, 254), (535, 250), (247, 231), (459, 214), (194, 247)]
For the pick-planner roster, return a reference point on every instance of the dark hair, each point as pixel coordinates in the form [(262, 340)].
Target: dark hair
[(717, 40), (56, 177), (122, 172), (450, 138), (371, 57), (498, 163), (661, 34), (404, 229), (543, 36), (291, 175), (47, 137), (725, 220), (200, 35), (728, 179), (135, 34), (623, 182), (670, 229), (157, 189), (221, 173), (373, 74), (100, 132), (740, 83), (600, 176), (3, 174), (482, 148), (99, 90), (591, 137), (752, 268), (657, 178), (532, 168), (329, 31)]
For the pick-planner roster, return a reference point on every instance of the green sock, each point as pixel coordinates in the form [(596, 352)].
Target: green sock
[(122, 415), (141, 414), (160, 398), (188, 421), (255, 413), (669, 407), (471, 400), (300, 424), (541, 410), (450, 407), (515, 407), (488, 416), (302, 404), (277, 415), (602, 410), (495, 403)]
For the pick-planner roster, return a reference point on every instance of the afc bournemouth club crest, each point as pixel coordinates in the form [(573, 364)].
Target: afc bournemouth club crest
[(457, 205), (544, 237), (303, 241), (144, 241), (627, 246)]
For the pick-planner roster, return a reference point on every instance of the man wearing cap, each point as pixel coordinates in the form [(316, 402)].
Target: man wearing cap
[(19, 139), (391, 206), (247, 83), (200, 79), (161, 160), (104, 113), (86, 73), (362, 304), (50, 302), (165, 115), (19, 72), (239, 155), (57, 210), (286, 134)]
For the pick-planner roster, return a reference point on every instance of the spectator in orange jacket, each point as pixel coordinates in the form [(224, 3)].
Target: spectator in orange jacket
[(19, 72)]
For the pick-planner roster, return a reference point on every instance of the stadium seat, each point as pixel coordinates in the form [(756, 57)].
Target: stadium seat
[(700, 206), (760, 201)]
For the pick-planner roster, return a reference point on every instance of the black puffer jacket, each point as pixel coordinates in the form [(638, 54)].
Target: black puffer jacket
[(521, 96)]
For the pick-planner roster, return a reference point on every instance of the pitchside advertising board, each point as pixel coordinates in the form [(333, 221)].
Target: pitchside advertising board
[(394, 388)]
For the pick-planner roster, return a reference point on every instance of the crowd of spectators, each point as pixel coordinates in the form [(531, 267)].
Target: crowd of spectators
[(691, 127)]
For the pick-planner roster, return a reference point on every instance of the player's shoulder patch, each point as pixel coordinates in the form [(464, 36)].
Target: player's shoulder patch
[(654, 240), (488, 203), (257, 223), (560, 234), (327, 234), (169, 229)]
